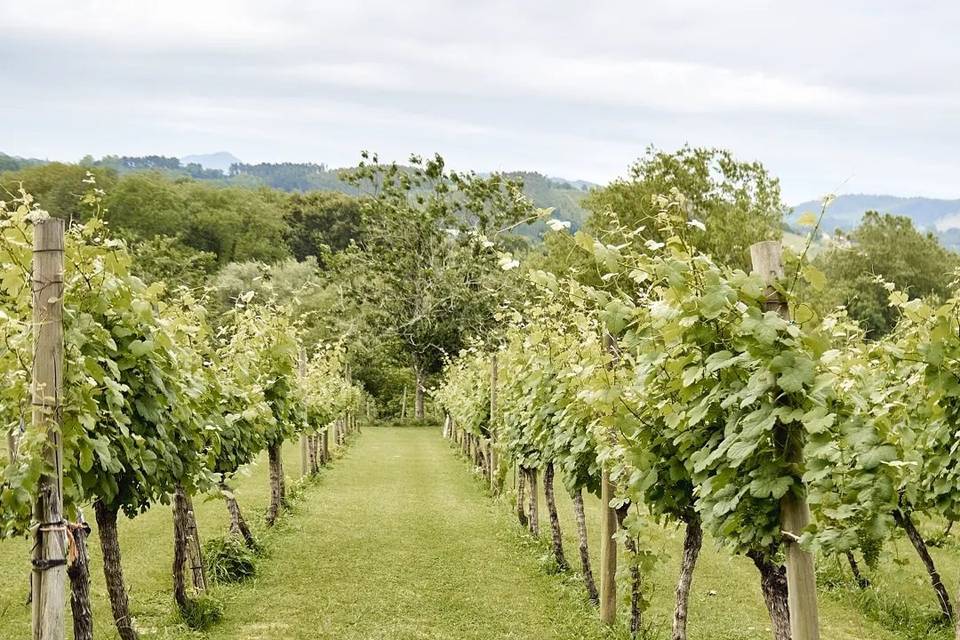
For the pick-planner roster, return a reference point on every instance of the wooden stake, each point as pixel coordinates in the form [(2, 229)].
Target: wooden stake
[(494, 458), (304, 442), (608, 527), (794, 511), (608, 553), (50, 549)]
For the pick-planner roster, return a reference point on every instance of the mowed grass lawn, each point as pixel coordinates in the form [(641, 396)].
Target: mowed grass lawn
[(398, 540)]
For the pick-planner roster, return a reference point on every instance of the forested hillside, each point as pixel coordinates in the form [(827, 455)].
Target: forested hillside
[(226, 170)]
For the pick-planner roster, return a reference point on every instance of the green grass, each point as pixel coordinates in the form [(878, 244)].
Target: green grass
[(399, 541), (725, 602)]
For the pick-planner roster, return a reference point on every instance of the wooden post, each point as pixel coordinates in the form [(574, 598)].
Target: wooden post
[(494, 458), (403, 404), (50, 548), (304, 440), (608, 546), (608, 553), (794, 511)]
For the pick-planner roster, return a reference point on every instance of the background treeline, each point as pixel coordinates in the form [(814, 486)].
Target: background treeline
[(303, 231), (562, 196)]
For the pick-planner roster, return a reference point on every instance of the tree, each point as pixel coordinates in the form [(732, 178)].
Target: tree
[(320, 222), (230, 222), (58, 186), (168, 259), (729, 204), (433, 273), (883, 248)]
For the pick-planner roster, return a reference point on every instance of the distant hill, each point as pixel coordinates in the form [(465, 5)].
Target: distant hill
[(220, 160), (938, 216), (583, 185), (846, 211), (563, 195), (13, 163)]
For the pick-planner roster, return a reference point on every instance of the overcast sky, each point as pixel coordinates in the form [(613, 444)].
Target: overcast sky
[(832, 96)]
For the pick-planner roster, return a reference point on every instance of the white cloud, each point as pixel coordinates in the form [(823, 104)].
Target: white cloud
[(822, 92)]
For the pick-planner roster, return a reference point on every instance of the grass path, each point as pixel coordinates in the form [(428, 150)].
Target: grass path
[(401, 544), (399, 541)]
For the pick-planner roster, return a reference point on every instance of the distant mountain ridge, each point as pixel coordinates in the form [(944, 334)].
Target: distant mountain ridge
[(220, 160), (563, 195), (930, 214)]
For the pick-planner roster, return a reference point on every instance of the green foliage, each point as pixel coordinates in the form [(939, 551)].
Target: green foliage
[(132, 422), (883, 248), (429, 268), (228, 559), (168, 259), (202, 612), (58, 186), (319, 223), (229, 222), (729, 204)]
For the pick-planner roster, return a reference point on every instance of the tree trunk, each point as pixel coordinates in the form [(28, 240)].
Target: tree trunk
[(534, 509), (238, 526), (494, 462), (862, 582), (418, 398), (903, 519), (692, 541), (630, 544), (556, 536), (78, 570), (277, 497), (325, 455), (113, 570), (312, 454), (488, 449), (585, 567), (521, 496), (180, 535), (773, 583), (304, 455)]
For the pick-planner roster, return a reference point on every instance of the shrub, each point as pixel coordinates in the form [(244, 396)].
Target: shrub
[(229, 559), (202, 612)]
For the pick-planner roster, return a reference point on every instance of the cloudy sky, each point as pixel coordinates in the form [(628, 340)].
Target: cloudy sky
[(832, 96)]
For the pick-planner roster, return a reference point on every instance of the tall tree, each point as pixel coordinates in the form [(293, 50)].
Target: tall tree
[(883, 247), (320, 222), (730, 204), (431, 239)]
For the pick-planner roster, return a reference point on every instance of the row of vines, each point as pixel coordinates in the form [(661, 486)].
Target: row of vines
[(123, 395), (690, 394)]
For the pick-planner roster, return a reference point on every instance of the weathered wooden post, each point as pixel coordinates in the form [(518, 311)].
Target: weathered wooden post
[(608, 552), (794, 511), (608, 546), (50, 547), (304, 439), (494, 458)]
